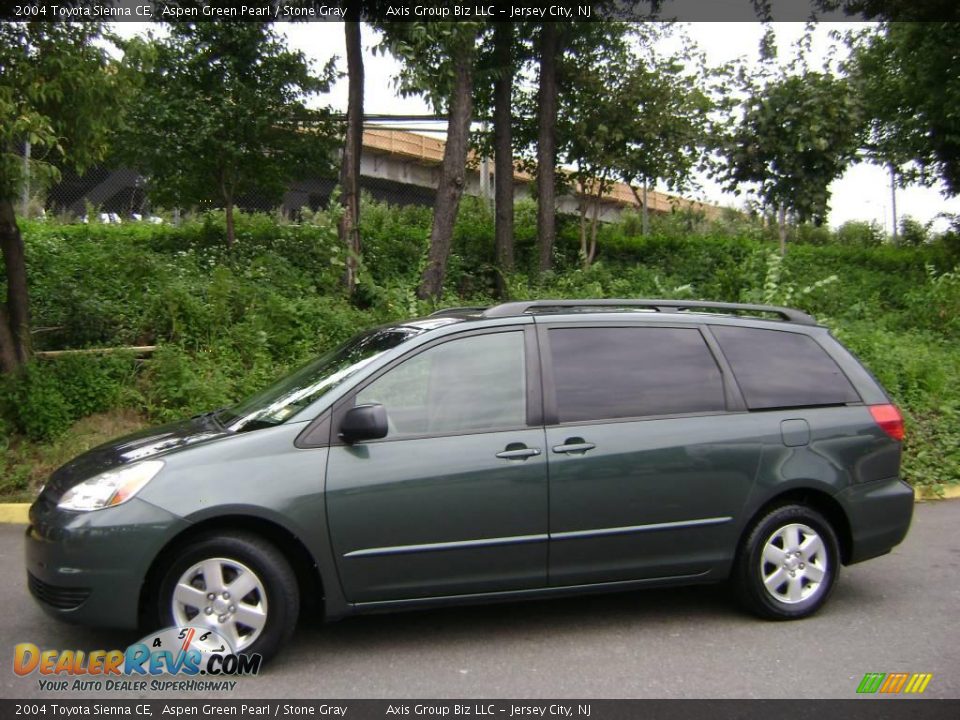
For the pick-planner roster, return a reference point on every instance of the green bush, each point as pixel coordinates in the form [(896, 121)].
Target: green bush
[(229, 322), (49, 395), (858, 233), (913, 232)]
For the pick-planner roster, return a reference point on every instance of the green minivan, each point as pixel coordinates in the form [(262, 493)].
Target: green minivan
[(524, 450)]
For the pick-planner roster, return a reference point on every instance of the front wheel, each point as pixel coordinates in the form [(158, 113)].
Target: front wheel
[(238, 585), (788, 563)]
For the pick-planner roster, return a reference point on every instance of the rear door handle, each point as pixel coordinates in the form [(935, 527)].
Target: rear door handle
[(574, 448), (517, 453)]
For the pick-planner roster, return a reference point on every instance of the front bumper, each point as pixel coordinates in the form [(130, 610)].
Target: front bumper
[(89, 567), (879, 513)]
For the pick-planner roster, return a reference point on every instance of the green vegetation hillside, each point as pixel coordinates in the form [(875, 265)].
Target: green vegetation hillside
[(226, 322)]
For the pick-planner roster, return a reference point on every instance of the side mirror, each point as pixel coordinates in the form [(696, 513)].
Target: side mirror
[(364, 422)]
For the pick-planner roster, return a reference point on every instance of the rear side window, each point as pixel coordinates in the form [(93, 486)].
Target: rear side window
[(783, 369), (619, 372)]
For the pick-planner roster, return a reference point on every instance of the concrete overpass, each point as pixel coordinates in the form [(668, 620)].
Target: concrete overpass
[(396, 166), (400, 162)]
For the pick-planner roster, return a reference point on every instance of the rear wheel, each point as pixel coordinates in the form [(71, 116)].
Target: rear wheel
[(788, 564), (238, 585)]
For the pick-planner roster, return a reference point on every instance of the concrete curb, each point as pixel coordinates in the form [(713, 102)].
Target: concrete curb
[(14, 513), (950, 492), (17, 512)]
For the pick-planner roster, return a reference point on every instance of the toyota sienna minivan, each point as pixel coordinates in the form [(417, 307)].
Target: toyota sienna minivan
[(525, 450)]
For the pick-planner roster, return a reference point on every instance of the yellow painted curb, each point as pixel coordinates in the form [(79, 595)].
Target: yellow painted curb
[(950, 492), (17, 512), (14, 513)]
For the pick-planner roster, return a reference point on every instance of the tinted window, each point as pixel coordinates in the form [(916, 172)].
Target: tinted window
[(602, 373), (284, 399), (783, 369), (472, 384)]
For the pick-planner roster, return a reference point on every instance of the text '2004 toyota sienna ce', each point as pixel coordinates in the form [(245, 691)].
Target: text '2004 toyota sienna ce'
[(523, 450)]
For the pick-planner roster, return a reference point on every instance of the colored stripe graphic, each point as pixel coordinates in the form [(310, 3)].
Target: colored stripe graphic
[(893, 683), (918, 682), (871, 682)]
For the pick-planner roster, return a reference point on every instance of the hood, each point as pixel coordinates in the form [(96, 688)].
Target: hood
[(141, 445)]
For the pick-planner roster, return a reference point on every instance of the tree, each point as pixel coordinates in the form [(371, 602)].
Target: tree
[(554, 43), (221, 111), (596, 107), (668, 131), (909, 76), (503, 152), (438, 60), (55, 93), (550, 46), (352, 149), (797, 134)]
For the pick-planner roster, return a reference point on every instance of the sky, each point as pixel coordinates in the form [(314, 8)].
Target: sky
[(863, 193)]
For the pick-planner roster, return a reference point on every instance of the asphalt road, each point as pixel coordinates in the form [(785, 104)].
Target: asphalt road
[(895, 613)]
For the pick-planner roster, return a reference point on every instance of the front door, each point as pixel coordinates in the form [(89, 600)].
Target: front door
[(454, 499)]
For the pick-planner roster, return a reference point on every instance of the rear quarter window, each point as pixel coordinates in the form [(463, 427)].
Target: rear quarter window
[(777, 369)]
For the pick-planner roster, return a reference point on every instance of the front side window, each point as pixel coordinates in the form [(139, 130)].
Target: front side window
[(288, 396), (472, 384), (623, 372)]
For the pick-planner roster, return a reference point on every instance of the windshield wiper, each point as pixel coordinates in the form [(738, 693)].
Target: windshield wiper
[(213, 415)]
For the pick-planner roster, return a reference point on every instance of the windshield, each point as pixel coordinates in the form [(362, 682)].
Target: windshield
[(285, 398)]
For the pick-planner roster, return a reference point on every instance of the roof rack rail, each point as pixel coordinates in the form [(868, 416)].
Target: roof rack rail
[(519, 308), (459, 310)]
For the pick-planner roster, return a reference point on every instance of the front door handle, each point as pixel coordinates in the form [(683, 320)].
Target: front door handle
[(574, 446), (517, 451)]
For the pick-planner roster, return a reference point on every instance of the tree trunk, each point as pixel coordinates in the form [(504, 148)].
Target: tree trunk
[(642, 202), (782, 229), (452, 174), (8, 353), (594, 223), (503, 156), (547, 146), (15, 343), (352, 148), (231, 232), (584, 200), (645, 225)]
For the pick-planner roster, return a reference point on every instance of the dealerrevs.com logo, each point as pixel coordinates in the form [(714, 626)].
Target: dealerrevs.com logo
[(171, 660)]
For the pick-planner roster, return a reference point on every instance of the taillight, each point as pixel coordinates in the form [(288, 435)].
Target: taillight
[(889, 419)]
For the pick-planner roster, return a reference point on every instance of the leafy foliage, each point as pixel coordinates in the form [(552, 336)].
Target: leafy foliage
[(908, 74), (797, 135), (220, 111), (55, 94)]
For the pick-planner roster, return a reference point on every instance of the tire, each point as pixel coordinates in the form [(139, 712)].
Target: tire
[(262, 620), (774, 582)]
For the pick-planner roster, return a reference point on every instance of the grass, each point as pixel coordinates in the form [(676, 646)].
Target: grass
[(27, 465)]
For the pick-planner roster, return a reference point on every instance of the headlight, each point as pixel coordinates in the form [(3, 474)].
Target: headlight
[(111, 487)]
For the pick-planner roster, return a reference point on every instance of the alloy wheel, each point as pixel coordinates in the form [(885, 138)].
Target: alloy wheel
[(224, 595), (794, 563)]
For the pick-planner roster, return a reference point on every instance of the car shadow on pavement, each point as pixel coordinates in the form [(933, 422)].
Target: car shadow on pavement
[(505, 622)]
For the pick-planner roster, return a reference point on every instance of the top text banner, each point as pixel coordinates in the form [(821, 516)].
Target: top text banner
[(448, 10)]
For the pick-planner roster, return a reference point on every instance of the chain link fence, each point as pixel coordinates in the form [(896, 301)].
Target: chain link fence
[(397, 167), (390, 172), (116, 194)]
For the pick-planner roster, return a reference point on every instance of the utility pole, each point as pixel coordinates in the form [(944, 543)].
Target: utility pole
[(893, 200)]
